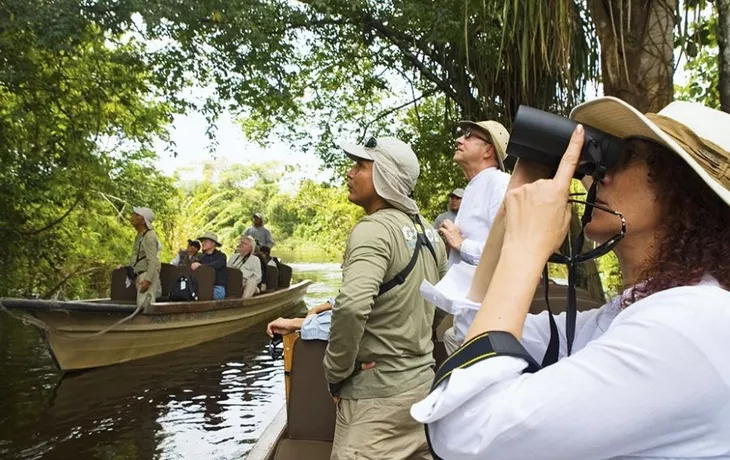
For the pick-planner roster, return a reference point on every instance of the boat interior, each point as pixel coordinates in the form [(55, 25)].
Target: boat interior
[(310, 410), (276, 278)]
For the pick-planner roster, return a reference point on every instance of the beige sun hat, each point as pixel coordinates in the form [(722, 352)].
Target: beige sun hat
[(497, 134), (146, 214), (395, 169), (210, 236), (698, 134)]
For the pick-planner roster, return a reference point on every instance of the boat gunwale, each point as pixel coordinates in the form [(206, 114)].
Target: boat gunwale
[(156, 308)]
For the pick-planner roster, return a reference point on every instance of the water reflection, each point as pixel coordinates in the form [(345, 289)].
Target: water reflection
[(209, 401)]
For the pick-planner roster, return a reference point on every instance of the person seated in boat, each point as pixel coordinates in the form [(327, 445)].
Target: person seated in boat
[(249, 264), (215, 259), (265, 255), (144, 266), (379, 315), (648, 374), (261, 234), (186, 257), (314, 326)]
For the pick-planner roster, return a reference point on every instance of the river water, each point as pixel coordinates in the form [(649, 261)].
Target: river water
[(211, 401)]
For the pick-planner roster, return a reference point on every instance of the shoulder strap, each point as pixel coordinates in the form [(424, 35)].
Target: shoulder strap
[(139, 248), (421, 240)]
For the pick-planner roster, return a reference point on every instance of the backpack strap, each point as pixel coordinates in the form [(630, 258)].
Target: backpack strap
[(139, 248), (421, 240)]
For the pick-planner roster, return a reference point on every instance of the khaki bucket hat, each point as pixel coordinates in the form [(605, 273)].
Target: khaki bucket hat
[(698, 134), (210, 236), (496, 133)]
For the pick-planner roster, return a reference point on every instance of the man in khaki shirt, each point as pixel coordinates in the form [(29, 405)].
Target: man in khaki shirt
[(145, 261), (391, 329)]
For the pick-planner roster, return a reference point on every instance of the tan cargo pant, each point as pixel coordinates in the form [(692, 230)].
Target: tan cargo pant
[(144, 299), (249, 288), (380, 428)]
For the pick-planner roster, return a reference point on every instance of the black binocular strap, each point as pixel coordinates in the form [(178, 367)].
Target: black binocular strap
[(571, 310), (484, 346)]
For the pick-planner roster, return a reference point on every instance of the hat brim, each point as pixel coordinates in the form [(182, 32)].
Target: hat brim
[(498, 153), (620, 119), (355, 151), (202, 238)]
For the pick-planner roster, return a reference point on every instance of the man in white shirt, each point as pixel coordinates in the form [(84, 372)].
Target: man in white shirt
[(480, 152), (248, 263)]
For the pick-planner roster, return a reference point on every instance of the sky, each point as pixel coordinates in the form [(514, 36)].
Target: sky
[(193, 149)]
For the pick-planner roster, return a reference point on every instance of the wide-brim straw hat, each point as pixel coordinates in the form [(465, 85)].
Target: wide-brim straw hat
[(698, 134), (210, 236)]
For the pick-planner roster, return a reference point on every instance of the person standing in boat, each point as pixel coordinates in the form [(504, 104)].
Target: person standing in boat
[(248, 263), (144, 266), (216, 260), (186, 257), (480, 151), (452, 209), (379, 315), (261, 234)]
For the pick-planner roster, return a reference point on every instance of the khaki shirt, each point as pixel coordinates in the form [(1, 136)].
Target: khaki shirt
[(250, 267), (262, 235), (393, 330), (145, 258)]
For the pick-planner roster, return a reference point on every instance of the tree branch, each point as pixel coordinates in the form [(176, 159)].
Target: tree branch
[(394, 109), (50, 225), (58, 286)]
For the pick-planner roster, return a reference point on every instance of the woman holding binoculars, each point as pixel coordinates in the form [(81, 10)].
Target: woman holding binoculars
[(649, 372)]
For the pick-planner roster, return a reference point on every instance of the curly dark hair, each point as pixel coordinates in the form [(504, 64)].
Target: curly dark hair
[(695, 237)]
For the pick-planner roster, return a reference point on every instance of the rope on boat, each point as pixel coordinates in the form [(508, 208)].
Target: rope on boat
[(32, 320)]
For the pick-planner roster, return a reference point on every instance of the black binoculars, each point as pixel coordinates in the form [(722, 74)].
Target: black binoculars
[(542, 137)]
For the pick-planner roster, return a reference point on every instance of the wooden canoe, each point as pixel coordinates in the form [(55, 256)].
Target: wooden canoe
[(74, 330)]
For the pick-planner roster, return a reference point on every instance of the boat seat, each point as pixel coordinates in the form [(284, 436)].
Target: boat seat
[(234, 290), (168, 276), (295, 449), (272, 278), (204, 279), (285, 274), (119, 289), (310, 410)]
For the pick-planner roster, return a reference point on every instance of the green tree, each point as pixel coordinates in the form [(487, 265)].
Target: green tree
[(77, 119)]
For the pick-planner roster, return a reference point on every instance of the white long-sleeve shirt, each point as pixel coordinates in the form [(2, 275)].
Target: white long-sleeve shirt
[(482, 198), (479, 206), (648, 382)]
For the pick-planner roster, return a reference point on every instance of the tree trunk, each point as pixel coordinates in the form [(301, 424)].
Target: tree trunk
[(637, 45), (723, 36)]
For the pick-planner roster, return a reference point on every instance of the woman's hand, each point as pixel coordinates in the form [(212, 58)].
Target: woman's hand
[(538, 213)]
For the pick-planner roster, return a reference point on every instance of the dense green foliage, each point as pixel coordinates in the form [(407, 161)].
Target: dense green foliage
[(86, 88)]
